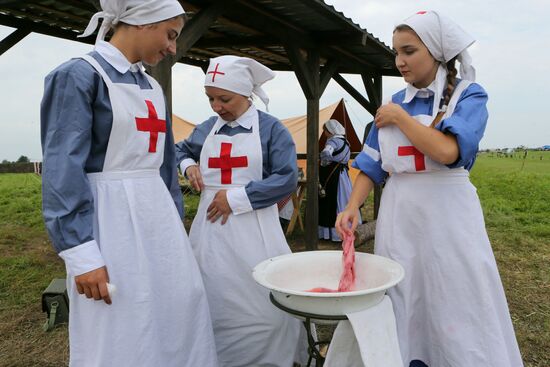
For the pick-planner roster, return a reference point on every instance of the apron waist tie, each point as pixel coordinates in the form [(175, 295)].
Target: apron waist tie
[(444, 176), (122, 175)]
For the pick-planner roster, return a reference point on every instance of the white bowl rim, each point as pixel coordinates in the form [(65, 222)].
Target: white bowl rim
[(258, 272)]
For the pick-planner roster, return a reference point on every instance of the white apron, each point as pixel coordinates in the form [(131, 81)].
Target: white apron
[(159, 315), (249, 330), (451, 309)]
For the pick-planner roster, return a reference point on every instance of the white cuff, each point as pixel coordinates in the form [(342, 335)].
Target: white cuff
[(185, 164), (373, 153), (328, 148), (238, 201), (82, 258)]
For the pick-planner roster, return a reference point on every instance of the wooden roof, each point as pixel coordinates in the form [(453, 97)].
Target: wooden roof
[(259, 29)]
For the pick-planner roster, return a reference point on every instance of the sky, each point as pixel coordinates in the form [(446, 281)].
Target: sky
[(511, 56)]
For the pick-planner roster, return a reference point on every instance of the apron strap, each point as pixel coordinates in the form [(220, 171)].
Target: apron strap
[(99, 69), (461, 86)]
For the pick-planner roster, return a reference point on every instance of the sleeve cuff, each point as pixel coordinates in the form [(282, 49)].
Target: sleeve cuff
[(238, 201), (82, 258), (185, 164)]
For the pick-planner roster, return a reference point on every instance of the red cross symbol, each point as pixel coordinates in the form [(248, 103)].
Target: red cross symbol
[(215, 72), (152, 124), (421, 12), (225, 162), (419, 164)]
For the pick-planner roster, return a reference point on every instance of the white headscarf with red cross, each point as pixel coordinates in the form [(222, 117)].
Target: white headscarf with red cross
[(133, 12), (445, 39), (240, 75)]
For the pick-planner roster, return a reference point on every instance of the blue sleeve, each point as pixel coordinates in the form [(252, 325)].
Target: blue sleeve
[(467, 124), (368, 161), (66, 116), (191, 147), (328, 156), (282, 177), (169, 170)]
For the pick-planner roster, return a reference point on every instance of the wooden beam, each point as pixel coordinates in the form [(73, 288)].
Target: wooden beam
[(23, 14), (223, 41), (371, 89), (197, 26), (43, 29), (12, 39), (301, 69), (269, 23), (62, 15), (194, 62), (326, 74), (355, 94), (275, 55), (341, 39)]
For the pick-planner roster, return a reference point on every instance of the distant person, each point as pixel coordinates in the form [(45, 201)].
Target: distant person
[(450, 308), (334, 178), (243, 161), (111, 201)]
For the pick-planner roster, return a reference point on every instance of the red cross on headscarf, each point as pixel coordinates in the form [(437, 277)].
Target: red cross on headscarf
[(152, 124), (419, 164), (226, 163), (215, 72)]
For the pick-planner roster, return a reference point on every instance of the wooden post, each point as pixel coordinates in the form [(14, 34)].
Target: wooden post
[(307, 68), (162, 72), (312, 203)]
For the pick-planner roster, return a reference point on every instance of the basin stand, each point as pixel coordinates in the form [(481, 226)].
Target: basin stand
[(309, 318)]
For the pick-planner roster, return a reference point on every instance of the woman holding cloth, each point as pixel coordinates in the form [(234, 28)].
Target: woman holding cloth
[(451, 308), (243, 161), (111, 199)]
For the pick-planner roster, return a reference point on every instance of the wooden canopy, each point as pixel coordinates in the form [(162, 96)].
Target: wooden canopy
[(308, 37)]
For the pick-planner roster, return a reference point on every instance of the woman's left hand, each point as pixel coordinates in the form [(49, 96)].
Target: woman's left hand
[(389, 114), (219, 207)]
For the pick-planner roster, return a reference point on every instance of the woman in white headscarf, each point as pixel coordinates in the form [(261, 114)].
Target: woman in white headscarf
[(111, 201), (334, 178), (243, 161), (451, 308)]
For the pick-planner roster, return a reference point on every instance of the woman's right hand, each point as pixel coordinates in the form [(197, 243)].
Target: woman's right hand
[(94, 284), (194, 176), (347, 221)]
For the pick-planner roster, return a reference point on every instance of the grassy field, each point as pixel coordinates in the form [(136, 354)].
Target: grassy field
[(515, 194)]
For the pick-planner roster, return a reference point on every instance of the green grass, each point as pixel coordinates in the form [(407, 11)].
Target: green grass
[(514, 193), (515, 196)]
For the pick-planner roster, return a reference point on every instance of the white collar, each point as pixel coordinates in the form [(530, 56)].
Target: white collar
[(435, 88), (245, 120), (113, 56)]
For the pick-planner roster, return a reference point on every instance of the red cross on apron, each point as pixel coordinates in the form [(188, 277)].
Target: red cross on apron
[(152, 124), (419, 164), (215, 72), (226, 163)]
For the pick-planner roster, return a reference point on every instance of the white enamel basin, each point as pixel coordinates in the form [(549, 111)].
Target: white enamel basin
[(288, 277)]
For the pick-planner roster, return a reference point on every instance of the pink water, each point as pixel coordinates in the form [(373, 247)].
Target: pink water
[(347, 279)]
